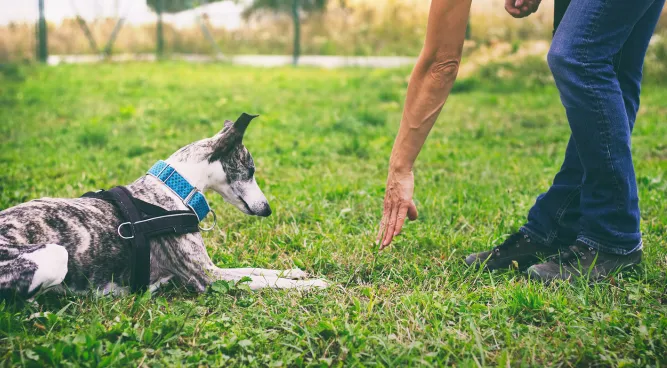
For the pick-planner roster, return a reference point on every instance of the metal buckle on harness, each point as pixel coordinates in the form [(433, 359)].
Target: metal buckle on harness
[(131, 230), (215, 221)]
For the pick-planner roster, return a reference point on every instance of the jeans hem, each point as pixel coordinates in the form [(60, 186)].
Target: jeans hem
[(607, 249)]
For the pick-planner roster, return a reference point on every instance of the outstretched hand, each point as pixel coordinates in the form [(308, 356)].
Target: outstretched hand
[(398, 204), (521, 8)]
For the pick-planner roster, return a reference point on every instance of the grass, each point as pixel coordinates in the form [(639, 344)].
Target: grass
[(321, 147)]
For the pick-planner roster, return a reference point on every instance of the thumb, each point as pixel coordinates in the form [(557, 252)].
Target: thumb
[(412, 211)]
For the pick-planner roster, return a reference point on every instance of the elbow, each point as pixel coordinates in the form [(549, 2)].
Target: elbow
[(443, 68)]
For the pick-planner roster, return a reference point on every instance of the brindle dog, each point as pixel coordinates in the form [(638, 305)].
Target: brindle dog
[(73, 244)]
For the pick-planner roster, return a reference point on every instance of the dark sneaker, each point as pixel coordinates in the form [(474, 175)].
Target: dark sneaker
[(518, 251), (581, 260)]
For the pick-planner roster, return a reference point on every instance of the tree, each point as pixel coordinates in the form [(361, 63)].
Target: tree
[(294, 8), (176, 6), (42, 48)]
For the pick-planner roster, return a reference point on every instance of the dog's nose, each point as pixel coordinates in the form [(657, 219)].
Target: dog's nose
[(265, 211)]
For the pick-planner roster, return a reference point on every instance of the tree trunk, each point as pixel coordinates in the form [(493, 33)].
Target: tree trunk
[(160, 36), (297, 32), (114, 33), (89, 35), (42, 48)]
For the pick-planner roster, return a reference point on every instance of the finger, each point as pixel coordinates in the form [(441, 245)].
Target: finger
[(510, 7), (512, 11), (389, 230), (530, 7), (385, 216), (391, 223), (380, 236), (412, 211), (518, 3), (400, 219)]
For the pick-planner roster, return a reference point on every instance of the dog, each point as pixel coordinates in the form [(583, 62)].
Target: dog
[(77, 245)]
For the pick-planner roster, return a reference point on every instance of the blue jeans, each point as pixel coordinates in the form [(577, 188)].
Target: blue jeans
[(596, 57)]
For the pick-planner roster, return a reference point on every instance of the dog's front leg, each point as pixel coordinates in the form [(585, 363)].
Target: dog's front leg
[(270, 279), (185, 258), (191, 264)]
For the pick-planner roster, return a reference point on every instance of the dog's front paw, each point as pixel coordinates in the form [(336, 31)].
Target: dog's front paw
[(294, 274), (259, 282), (301, 284), (317, 283)]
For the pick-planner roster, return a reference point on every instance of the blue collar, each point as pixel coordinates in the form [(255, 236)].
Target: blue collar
[(190, 195)]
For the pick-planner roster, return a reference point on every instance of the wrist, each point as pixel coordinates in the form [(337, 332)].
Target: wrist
[(400, 167)]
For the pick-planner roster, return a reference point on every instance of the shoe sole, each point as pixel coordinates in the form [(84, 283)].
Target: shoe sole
[(534, 275), (522, 267)]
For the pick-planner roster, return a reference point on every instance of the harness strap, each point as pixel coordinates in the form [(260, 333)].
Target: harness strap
[(169, 224), (143, 220)]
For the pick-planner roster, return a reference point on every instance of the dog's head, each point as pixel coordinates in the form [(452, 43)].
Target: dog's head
[(223, 164)]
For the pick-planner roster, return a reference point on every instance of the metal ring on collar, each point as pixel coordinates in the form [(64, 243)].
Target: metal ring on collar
[(131, 230), (215, 221)]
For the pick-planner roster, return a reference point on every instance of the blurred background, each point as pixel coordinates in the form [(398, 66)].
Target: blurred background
[(200, 30)]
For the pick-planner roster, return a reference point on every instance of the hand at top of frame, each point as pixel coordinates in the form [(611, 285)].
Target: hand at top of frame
[(521, 8), (397, 204)]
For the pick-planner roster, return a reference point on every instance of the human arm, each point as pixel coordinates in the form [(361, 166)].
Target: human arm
[(430, 84)]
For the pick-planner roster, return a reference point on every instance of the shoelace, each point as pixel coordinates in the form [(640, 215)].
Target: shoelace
[(513, 240), (574, 253)]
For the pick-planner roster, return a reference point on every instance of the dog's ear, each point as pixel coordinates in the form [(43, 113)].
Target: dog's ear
[(228, 125), (241, 124), (231, 135)]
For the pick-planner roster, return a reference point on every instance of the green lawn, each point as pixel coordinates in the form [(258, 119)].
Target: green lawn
[(321, 148)]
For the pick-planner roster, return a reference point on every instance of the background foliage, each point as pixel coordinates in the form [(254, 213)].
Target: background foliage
[(360, 27)]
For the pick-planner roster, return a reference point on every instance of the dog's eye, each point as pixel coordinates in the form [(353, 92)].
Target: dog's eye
[(251, 172)]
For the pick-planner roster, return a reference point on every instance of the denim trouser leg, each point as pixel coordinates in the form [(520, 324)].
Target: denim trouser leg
[(554, 219), (630, 60), (597, 59)]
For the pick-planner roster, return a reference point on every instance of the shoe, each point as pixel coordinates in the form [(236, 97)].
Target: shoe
[(580, 261), (518, 251)]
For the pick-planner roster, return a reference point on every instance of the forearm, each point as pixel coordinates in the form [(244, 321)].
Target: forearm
[(431, 80), (427, 92)]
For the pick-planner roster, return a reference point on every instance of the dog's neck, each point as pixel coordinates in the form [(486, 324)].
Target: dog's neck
[(150, 189)]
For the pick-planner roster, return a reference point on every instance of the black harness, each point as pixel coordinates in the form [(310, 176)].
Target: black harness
[(141, 222)]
